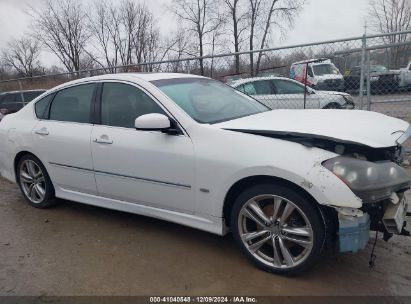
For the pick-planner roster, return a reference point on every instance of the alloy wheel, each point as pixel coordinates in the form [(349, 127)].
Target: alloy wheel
[(32, 181), (275, 231)]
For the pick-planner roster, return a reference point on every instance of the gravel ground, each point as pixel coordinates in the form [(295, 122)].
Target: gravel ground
[(74, 249), (396, 105)]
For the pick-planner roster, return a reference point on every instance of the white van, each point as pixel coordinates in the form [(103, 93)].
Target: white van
[(322, 74)]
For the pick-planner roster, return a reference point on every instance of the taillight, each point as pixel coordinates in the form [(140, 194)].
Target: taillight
[(4, 111)]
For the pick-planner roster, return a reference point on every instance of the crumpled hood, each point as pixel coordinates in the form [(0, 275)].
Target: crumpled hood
[(360, 127), (325, 93)]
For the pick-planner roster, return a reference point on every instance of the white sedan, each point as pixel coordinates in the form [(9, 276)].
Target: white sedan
[(284, 93), (193, 151)]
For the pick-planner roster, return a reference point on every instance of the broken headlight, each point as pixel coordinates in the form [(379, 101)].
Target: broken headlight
[(370, 181), (349, 102)]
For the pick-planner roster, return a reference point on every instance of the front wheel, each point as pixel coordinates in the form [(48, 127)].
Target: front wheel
[(332, 105), (34, 182), (279, 230)]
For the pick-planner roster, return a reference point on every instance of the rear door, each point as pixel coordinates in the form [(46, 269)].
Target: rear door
[(62, 137)]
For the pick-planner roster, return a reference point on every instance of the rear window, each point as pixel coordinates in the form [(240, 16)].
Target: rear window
[(73, 104), (29, 96), (41, 107), (10, 98)]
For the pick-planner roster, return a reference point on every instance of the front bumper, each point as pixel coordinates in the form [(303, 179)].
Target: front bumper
[(388, 216), (353, 232), (349, 105)]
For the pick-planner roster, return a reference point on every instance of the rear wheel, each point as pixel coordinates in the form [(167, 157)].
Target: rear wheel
[(277, 229), (34, 182)]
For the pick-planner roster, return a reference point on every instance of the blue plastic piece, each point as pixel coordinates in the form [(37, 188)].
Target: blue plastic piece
[(353, 233)]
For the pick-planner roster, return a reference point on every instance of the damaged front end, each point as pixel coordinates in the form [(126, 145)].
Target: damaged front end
[(381, 186), (373, 174)]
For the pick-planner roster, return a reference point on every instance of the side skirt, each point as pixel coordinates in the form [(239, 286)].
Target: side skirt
[(206, 223)]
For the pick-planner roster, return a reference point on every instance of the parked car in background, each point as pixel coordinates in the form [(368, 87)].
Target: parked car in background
[(405, 77), (228, 79), (382, 80), (285, 93), (322, 74), (11, 102)]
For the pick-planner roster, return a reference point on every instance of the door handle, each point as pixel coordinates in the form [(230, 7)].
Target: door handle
[(103, 140), (42, 131)]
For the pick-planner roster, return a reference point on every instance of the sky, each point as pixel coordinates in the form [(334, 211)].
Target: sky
[(320, 20)]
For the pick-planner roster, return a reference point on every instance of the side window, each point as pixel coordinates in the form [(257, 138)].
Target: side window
[(41, 106), (73, 104), (249, 89), (263, 87), (241, 88), (9, 98), (18, 97), (288, 87), (29, 96), (121, 104)]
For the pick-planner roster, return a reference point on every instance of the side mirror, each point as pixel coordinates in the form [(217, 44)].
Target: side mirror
[(156, 122), (152, 122)]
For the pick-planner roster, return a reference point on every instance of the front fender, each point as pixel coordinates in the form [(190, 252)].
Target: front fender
[(332, 99), (318, 182)]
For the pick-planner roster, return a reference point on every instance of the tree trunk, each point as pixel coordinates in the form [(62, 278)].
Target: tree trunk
[(251, 49), (266, 29), (200, 36)]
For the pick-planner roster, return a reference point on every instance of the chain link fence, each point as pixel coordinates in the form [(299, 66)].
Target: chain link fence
[(365, 72)]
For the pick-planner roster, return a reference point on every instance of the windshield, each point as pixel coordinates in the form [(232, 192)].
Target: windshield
[(378, 69), (325, 69), (209, 101)]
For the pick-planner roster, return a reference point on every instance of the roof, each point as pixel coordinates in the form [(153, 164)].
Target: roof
[(313, 61), (246, 80), (143, 76), (128, 77), (24, 91), (155, 76)]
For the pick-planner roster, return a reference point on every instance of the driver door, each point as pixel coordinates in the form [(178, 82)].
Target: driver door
[(142, 167)]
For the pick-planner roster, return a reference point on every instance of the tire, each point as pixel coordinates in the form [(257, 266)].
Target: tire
[(332, 105), (296, 234), (34, 182)]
